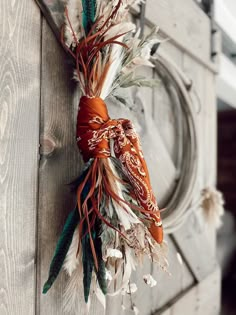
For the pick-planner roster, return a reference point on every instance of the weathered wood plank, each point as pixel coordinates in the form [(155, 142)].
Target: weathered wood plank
[(203, 298), (210, 137), (210, 140), (193, 241), (19, 127), (164, 116), (170, 286), (147, 299), (60, 163), (171, 51), (165, 113), (53, 11), (55, 129), (196, 73), (195, 231), (185, 24)]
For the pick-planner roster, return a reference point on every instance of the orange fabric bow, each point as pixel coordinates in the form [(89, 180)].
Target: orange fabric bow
[(95, 130)]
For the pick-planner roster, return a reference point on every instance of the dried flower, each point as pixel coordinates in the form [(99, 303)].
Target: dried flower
[(149, 280), (213, 206), (114, 253), (108, 275), (130, 289)]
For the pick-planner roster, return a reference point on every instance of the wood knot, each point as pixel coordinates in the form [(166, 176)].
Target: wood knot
[(48, 146)]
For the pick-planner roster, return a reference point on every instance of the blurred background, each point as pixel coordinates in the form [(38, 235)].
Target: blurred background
[(224, 13)]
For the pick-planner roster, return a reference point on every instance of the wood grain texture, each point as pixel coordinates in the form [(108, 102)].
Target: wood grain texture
[(60, 163), (53, 11), (20, 26)]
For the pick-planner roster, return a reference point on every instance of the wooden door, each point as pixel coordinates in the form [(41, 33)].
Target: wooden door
[(38, 157)]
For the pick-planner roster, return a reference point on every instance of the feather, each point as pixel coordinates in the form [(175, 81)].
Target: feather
[(88, 261), (73, 302), (62, 248), (101, 298), (72, 260), (101, 272), (88, 265), (121, 28), (66, 237), (126, 216), (89, 13), (116, 63), (73, 21)]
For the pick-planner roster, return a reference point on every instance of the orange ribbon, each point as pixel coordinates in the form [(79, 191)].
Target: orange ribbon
[(95, 130)]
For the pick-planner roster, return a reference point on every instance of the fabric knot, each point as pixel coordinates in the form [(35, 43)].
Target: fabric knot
[(95, 130)]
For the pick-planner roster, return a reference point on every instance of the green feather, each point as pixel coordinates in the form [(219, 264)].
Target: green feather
[(101, 273), (89, 14), (66, 236), (88, 261), (62, 248), (88, 264)]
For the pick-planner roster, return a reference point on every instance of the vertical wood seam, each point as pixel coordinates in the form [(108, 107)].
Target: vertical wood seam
[(37, 253)]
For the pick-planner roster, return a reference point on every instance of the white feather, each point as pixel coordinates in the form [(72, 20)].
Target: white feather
[(128, 266), (73, 302), (72, 261), (127, 216), (101, 297), (115, 55), (116, 61), (120, 29)]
